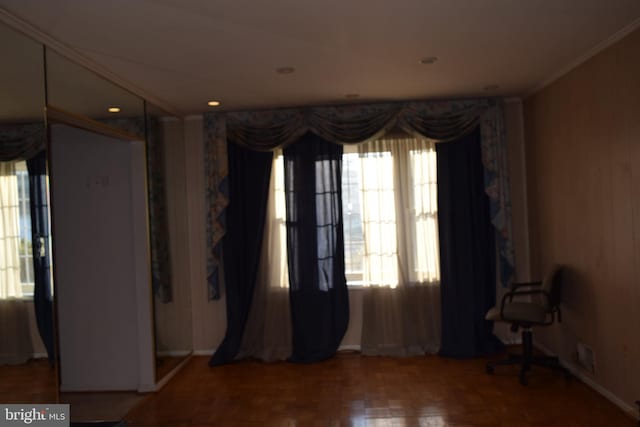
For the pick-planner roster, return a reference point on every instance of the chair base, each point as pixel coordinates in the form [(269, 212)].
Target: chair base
[(526, 360), (516, 359)]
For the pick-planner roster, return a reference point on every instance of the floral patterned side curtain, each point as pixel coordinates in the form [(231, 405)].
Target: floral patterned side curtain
[(439, 120), (158, 213), (216, 171), (21, 141)]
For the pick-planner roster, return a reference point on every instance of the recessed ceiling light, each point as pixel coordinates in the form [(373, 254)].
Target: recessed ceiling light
[(213, 103), (352, 96), (428, 60), (285, 70), (491, 87), (113, 109)]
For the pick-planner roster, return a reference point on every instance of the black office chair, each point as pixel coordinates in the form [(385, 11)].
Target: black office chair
[(527, 305)]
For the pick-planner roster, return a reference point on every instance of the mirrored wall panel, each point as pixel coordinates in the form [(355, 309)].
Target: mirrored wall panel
[(26, 321), (77, 90), (167, 193), (21, 78), (78, 100)]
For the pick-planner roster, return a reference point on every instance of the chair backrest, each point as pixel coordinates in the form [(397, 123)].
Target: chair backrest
[(552, 285)]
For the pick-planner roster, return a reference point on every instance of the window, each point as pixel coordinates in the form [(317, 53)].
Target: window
[(352, 218), (369, 210), (276, 225), (426, 257), (390, 213), (390, 216), (16, 277), (25, 248)]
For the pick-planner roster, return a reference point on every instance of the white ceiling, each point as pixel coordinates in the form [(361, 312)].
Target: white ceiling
[(185, 52)]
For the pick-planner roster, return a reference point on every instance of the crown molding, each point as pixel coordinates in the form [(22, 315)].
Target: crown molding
[(79, 58), (609, 41)]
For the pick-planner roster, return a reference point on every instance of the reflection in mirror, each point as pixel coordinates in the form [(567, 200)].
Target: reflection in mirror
[(74, 95), (102, 271), (26, 319), (167, 188), (75, 89)]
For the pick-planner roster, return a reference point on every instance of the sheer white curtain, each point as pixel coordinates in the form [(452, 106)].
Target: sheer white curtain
[(268, 332), (15, 339), (417, 207), (401, 301), (380, 258), (10, 286)]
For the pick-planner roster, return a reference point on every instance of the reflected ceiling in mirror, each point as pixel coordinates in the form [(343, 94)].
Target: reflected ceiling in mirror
[(77, 90), (21, 78)]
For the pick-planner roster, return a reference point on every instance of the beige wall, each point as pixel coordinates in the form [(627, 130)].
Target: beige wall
[(583, 162)]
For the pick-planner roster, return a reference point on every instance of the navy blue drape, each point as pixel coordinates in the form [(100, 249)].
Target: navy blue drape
[(467, 250), (249, 173), (317, 284), (40, 238)]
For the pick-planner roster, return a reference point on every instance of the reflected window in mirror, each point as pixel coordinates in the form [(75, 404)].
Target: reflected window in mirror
[(26, 326), (16, 280)]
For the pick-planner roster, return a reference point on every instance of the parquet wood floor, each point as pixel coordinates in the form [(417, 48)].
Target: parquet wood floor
[(100, 406), (32, 382), (352, 390)]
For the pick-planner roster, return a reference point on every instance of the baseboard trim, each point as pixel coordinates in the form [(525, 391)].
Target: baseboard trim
[(208, 352), (349, 347), (174, 353), (98, 388), (593, 384)]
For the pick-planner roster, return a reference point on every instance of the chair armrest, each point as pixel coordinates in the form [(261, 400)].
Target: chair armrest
[(511, 294), (517, 285)]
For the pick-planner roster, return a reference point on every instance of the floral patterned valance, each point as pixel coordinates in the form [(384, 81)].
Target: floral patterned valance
[(439, 120)]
